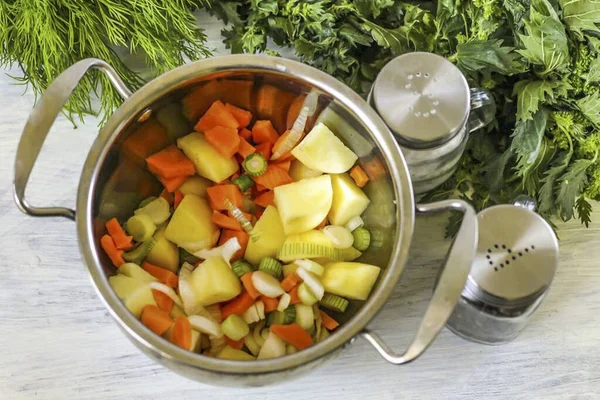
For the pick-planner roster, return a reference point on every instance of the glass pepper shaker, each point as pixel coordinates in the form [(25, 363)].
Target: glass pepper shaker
[(426, 102)]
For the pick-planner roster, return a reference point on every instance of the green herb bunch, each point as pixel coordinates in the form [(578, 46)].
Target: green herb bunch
[(539, 58), (45, 37)]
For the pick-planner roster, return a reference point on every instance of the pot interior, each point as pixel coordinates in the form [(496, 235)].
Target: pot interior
[(123, 180)]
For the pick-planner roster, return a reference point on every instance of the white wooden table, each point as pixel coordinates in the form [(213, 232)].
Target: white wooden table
[(58, 342)]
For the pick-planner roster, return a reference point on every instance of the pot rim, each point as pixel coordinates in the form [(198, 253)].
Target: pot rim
[(157, 88)]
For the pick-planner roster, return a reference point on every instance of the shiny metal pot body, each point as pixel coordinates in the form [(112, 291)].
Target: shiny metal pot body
[(113, 182)]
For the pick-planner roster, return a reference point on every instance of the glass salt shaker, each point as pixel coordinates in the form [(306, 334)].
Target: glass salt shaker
[(426, 102)]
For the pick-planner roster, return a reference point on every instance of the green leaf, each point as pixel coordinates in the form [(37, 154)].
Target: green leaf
[(570, 187), (487, 55), (494, 171), (393, 39), (581, 15), (372, 8), (584, 211), (593, 74), (546, 39), (517, 8), (354, 36), (528, 136), (531, 94), (590, 107), (227, 11), (546, 193)]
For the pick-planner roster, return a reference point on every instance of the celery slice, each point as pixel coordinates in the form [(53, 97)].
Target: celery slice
[(138, 254), (158, 210), (362, 238), (141, 227), (255, 164), (271, 266), (243, 182), (306, 296), (146, 201), (305, 316), (241, 267), (334, 302)]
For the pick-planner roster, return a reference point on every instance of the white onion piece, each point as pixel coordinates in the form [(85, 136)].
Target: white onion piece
[(205, 325), (256, 333), (272, 348), (251, 315), (260, 308), (313, 283), (226, 250), (252, 345), (161, 287), (341, 238), (284, 302), (266, 284), (188, 296), (354, 223), (311, 266), (308, 108)]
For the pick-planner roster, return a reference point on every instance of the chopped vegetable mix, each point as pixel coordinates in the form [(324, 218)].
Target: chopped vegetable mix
[(253, 236)]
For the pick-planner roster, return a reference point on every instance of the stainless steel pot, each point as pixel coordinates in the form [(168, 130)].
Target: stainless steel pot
[(112, 183)]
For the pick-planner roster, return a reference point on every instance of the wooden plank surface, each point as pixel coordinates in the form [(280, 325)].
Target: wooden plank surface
[(58, 342)]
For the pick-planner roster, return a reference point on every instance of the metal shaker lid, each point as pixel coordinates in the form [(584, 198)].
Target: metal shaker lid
[(423, 98), (517, 256)]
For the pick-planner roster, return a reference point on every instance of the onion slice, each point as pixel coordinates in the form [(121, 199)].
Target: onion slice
[(188, 297), (205, 325), (308, 109), (226, 250), (311, 281), (161, 287), (239, 216)]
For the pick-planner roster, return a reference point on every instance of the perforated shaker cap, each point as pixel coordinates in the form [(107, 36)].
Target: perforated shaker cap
[(517, 256), (423, 98)]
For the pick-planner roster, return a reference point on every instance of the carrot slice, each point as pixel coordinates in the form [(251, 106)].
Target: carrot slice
[(328, 322), (118, 235), (264, 132), (294, 111), (260, 187), (225, 140), (217, 195), (284, 165), (115, 255), (235, 344), (245, 148), (273, 177), (170, 162), (265, 149), (216, 115), (165, 194), (265, 199), (163, 275), (150, 137), (182, 333), (163, 301), (293, 334), (359, 176), (249, 286), (374, 168), (258, 213), (243, 117), (157, 320), (290, 281), (172, 184), (178, 199), (238, 306), (270, 303), (242, 238), (225, 221), (246, 134), (294, 295)]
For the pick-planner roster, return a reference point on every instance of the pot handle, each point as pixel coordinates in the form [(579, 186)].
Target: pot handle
[(448, 289), (41, 119)]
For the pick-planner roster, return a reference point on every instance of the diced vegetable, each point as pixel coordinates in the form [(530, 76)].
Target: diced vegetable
[(252, 345), (172, 184), (273, 347), (284, 302), (164, 253), (118, 235), (225, 140), (333, 302), (136, 272), (229, 353), (321, 150), (243, 117), (350, 254), (224, 221), (245, 149), (216, 115), (241, 268), (249, 286), (312, 281), (218, 194), (263, 132), (294, 299), (265, 150), (161, 274), (270, 303), (350, 279), (191, 227), (243, 182), (234, 327), (328, 322), (234, 344), (157, 320), (208, 161), (163, 301), (292, 199), (214, 282), (290, 281), (362, 239), (242, 238), (135, 294), (296, 132), (115, 255), (293, 334), (271, 236), (285, 317), (341, 238), (289, 269), (306, 295), (246, 134), (299, 171), (349, 200), (284, 165), (237, 306), (195, 185), (205, 325), (266, 284), (305, 316), (271, 266), (170, 163), (310, 266), (141, 227), (265, 199), (354, 223), (251, 315), (138, 254), (273, 177), (359, 176), (255, 164), (147, 201), (311, 244), (182, 333)]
